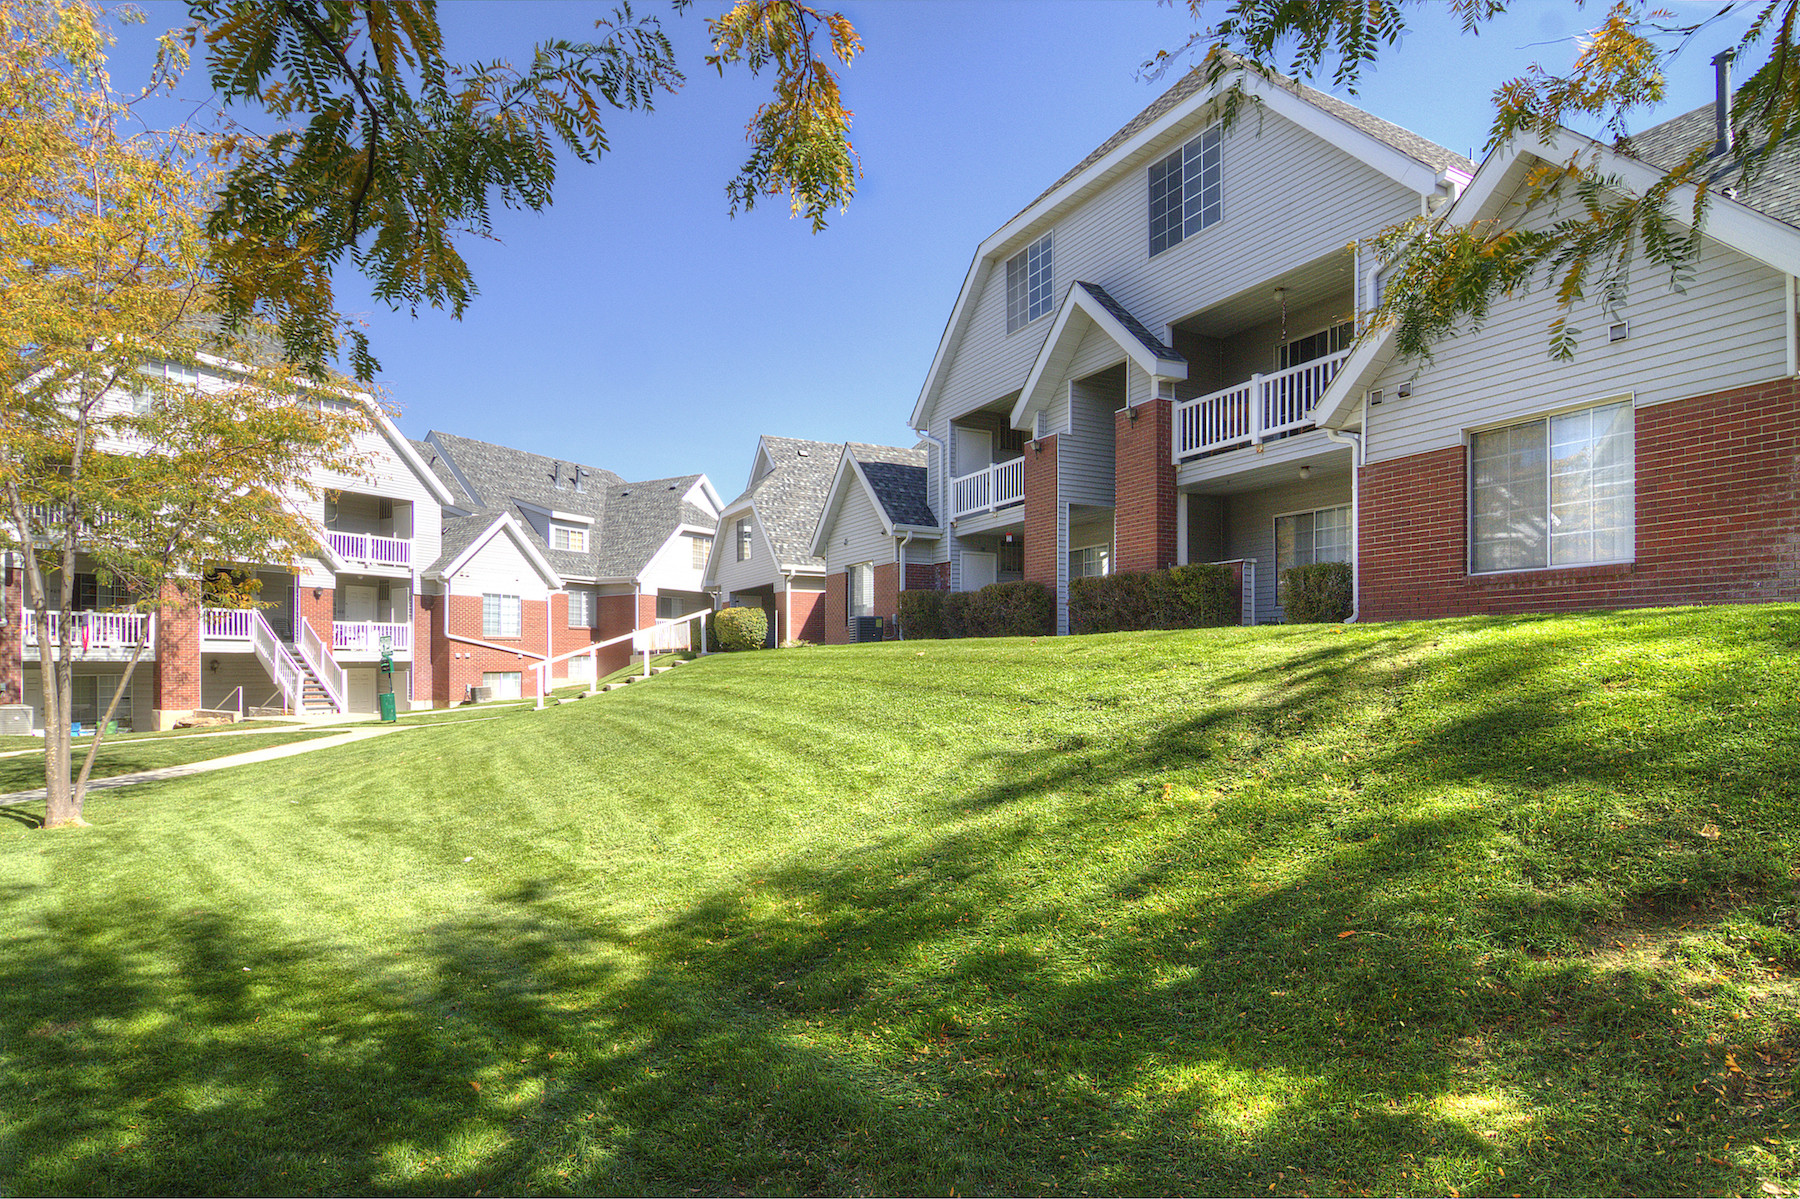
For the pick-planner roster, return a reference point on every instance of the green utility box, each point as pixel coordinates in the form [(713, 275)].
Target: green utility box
[(386, 699)]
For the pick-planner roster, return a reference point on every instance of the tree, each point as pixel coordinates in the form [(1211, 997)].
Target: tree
[(1445, 277), (389, 152), (114, 460)]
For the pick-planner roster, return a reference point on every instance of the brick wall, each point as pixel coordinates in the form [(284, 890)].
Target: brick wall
[(1718, 520), (924, 576), (1041, 503), (317, 611), (467, 663), (808, 615), (430, 653), (12, 650), (176, 686), (837, 608), (887, 595), (1143, 487), (616, 614)]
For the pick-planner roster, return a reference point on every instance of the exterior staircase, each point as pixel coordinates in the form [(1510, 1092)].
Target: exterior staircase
[(313, 699)]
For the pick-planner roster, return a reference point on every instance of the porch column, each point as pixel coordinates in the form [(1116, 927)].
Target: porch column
[(1042, 548), (316, 607), (1144, 519), (177, 681), (12, 638)]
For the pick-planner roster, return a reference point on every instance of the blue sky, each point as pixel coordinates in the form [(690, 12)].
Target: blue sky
[(636, 326)]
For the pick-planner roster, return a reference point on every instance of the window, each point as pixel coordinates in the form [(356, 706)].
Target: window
[(1090, 561), (1029, 293), (1185, 190), (743, 539), (702, 550), (581, 608), (862, 590), (668, 607), (507, 684), (563, 537), (90, 693), (1302, 538), (499, 615), (94, 594), (1322, 344), (1553, 492)]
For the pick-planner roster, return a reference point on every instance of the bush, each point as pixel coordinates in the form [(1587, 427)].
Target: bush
[(922, 614), (739, 628), (956, 613), (1316, 594), (1182, 597)]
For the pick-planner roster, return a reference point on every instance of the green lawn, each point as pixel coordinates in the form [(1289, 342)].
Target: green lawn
[(9, 744), (1485, 906), (127, 755)]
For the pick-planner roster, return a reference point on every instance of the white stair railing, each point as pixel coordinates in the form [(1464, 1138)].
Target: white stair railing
[(642, 642), (279, 663), (324, 667)]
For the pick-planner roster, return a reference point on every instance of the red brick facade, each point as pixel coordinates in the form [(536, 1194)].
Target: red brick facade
[(1144, 487), (316, 610), (1041, 504), (887, 595), (177, 676), (837, 608), (12, 642), (466, 663), (806, 611), (924, 576), (1718, 520)]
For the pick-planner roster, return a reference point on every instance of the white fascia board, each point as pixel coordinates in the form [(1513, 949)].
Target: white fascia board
[(449, 461), (920, 532), (834, 499), (1036, 395), (410, 456), (964, 308), (503, 523), (707, 492), (567, 518)]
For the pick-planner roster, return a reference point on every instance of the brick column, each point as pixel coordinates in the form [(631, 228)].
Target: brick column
[(12, 638), (887, 595), (837, 608), (1041, 502), (428, 645), (317, 610), (177, 681), (1144, 523)]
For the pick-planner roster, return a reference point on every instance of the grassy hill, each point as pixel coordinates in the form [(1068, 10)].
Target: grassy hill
[(1471, 906)]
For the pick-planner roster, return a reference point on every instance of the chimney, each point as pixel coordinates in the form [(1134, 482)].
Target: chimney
[(1722, 101)]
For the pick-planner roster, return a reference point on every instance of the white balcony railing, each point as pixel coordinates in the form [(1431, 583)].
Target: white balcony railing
[(1251, 412), (989, 488), (227, 624), (364, 636), (367, 547), (97, 632)]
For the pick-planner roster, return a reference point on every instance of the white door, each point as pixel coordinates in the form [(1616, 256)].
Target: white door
[(974, 450), (979, 570), (361, 687), (359, 602)]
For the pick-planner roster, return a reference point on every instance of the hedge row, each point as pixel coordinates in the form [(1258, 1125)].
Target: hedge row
[(997, 610), (1316, 594), (1183, 597)]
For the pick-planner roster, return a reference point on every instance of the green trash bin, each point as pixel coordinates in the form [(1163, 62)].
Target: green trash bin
[(386, 699)]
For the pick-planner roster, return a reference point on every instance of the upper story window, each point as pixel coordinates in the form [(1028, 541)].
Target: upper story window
[(500, 615), (1560, 491), (1029, 291), (1185, 192), (702, 548), (565, 537), (743, 539), (1322, 344)]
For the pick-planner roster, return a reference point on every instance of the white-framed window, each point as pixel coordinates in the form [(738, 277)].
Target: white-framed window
[(702, 550), (861, 595), (743, 539), (500, 615), (1186, 191), (1030, 277), (1558, 491), (1322, 535), (1322, 344), (668, 607), (1090, 561), (507, 684), (581, 608), (90, 693), (568, 537)]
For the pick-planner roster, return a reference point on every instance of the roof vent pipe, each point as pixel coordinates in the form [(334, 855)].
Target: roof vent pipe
[(1722, 100)]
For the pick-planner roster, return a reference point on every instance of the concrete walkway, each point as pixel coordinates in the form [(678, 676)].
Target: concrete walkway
[(323, 741)]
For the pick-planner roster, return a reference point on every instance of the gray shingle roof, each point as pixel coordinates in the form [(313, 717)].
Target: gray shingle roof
[(1403, 140), (460, 533), (1132, 325), (445, 475), (631, 521), (791, 496), (1775, 189), (898, 479)]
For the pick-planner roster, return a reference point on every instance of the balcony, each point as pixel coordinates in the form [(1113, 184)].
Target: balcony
[(989, 488), (369, 548), (98, 636), (353, 637), (1251, 412)]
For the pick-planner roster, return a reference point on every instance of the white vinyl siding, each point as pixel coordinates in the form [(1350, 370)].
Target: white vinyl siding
[(1030, 282), (500, 615), (1553, 492), (1303, 538), (857, 534), (1185, 191)]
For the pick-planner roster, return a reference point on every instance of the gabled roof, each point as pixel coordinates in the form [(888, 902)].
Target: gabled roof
[(1773, 191), (471, 533), (788, 497), (1090, 301), (1757, 233), (627, 522), (440, 468), (894, 481), (1412, 161)]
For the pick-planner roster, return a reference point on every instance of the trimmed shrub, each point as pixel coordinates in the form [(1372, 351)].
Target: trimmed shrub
[(739, 628), (956, 613), (922, 614), (1011, 610), (1182, 597), (1316, 594)]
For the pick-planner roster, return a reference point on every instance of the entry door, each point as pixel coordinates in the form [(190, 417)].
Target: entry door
[(979, 570), (359, 602), (361, 687)]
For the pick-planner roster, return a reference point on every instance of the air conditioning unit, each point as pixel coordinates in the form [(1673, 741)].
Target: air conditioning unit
[(866, 628), (15, 720)]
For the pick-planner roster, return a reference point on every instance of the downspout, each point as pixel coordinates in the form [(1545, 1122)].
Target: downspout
[(787, 607), (900, 571), (943, 512), (1355, 441)]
